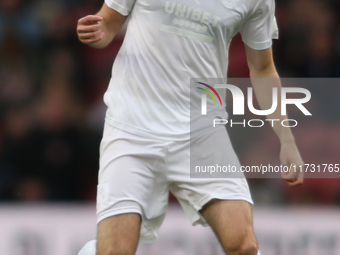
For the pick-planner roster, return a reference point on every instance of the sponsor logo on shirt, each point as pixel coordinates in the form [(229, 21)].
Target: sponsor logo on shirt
[(189, 22), (196, 15)]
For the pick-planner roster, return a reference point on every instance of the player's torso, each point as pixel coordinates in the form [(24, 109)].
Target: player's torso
[(168, 42), (183, 38)]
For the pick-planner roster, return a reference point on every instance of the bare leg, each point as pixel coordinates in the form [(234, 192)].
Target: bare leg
[(118, 235), (233, 225)]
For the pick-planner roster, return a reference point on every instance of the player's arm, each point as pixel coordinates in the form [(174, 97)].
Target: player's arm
[(261, 65), (99, 30), (265, 77)]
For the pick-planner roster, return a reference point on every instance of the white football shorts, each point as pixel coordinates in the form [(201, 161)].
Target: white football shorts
[(137, 173)]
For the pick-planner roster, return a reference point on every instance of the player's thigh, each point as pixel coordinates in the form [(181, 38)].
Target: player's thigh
[(118, 234), (232, 222)]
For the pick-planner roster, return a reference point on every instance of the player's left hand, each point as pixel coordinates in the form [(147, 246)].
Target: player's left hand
[(290, 157)]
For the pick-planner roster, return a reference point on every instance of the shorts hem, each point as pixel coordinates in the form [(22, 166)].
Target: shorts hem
[(200, 220), (114, 212), (131, 209)]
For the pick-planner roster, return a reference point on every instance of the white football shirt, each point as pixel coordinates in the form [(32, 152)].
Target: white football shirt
[(166, 44)]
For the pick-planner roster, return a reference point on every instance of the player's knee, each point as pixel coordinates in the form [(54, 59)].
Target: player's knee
[(123, 250), (116, 252), (247, 247)]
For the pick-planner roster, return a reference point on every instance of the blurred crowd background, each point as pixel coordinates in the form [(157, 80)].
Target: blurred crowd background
[(51, 109)]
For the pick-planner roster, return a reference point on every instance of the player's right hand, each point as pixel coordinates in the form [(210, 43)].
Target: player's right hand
[(89, 29), (291, 158)]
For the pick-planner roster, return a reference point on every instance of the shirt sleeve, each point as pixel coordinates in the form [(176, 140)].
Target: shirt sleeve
[(260, 27), (124, 7)]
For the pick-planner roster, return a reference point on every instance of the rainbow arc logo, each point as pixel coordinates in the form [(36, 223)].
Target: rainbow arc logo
[(204, 97)]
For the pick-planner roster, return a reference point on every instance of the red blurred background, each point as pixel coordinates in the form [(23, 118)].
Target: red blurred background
[(51, 109)]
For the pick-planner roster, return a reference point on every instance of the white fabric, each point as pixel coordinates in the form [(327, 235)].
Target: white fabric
[(122, 6), (89, 248), (136, 174), (260, 26), (166, 44)]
